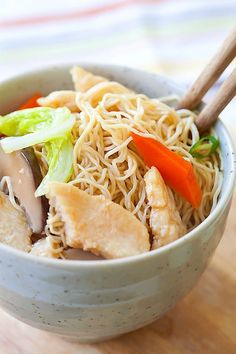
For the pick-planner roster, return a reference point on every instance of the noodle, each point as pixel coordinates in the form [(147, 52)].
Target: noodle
[(105, 160)]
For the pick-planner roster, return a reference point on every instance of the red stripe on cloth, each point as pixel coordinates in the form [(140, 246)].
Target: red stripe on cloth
[(71, 15)]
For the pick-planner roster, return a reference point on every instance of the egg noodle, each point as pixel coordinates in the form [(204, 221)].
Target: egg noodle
[(105, 160)]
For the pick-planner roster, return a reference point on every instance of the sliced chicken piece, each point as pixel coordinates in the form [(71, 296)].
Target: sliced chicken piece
[(14, 229), (165, 221), (60, 99), (44, 248), (84, 80), (96, 224), (95, 95), (92, 88)]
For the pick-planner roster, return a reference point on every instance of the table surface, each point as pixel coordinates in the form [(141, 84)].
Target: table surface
[(204, 322)]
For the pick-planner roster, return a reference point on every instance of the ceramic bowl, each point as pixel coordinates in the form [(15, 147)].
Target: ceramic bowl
[(96, 300)]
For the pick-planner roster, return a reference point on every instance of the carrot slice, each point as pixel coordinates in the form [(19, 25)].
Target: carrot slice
[(175, 170), (31, 102)]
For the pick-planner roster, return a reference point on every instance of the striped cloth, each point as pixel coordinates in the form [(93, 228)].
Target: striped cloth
[(176, 38)]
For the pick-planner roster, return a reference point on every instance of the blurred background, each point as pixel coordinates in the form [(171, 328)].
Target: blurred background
[(173, 37)]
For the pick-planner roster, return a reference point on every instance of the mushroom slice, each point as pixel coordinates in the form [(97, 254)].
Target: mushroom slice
[(96, 224), (77, 254), (23, 169), (14, 229)]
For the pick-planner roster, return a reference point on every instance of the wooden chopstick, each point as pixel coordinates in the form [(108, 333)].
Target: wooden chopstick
[(211, 73), (211, 111)]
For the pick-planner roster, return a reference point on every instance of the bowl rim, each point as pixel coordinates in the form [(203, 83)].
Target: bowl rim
[(73, 264)]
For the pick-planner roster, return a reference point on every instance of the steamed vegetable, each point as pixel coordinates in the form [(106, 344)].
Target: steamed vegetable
[(54, 131), (31, 102), (32, 120), (60, 158), (42, 125), (176, 171), (204, 147)]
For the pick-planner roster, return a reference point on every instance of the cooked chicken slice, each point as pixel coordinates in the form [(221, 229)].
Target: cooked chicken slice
[(60, 99), (92, 88), (84, 80), (96, 224), (45, 248), (14, 229), (95, 95), (165, 221)]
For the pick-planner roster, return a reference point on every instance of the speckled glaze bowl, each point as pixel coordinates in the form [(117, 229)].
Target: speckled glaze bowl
[(96, 300)]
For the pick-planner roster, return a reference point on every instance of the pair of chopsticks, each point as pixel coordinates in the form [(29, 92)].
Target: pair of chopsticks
[(207, 78)]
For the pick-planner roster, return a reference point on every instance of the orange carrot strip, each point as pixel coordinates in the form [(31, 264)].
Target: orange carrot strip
[(31, 102), (175, 170)]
